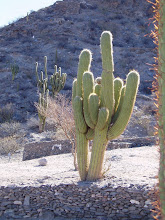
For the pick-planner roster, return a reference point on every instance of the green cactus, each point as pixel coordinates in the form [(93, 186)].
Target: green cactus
[(14, 70), (57, 81), (102, 108), (42, 82)]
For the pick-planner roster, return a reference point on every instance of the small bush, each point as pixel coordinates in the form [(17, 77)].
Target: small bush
[(8, 145), (61, 113), (10, 129), (6, 113)]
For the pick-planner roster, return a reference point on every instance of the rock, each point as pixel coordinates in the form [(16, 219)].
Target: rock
[(43, 162), (17, 203), (134, 202), (26, 200)]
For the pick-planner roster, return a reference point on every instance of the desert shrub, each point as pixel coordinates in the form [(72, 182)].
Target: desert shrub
[(8, 145), (10, 129), (6, 113), (60, 112)]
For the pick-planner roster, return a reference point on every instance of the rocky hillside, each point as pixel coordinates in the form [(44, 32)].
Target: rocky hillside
[(60, 32)]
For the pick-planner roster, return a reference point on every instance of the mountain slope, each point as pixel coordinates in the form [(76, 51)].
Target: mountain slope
[(60, 32)]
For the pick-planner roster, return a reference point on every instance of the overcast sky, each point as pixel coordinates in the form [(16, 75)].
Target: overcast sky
[(10, 10)]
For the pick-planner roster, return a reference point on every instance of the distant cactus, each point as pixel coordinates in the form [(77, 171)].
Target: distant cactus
[(102, 108), (14, 70), (57, 81), (42, 82)]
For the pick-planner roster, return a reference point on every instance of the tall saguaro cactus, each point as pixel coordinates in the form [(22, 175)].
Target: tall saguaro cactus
[(102, 108)]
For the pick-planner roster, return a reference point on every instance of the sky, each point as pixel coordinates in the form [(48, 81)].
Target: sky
[(11, 10)]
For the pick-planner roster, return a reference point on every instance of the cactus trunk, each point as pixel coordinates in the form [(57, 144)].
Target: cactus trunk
[(97, 156), (82, 154)]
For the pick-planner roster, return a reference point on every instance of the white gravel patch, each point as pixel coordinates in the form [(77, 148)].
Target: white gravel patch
[(137, 166)]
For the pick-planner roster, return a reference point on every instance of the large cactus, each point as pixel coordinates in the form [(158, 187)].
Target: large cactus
[(102, 108)]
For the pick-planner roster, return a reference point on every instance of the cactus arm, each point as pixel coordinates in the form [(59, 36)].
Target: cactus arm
[(83, 66), (107, 82), (127, 106), (97, 89), (118, 84), (90, 134), (116, 115), (37, 72), (55, 69), (88, 88), (102, 118), (94, 103), (45, 65), (78, 114), (63, 78), (74, 86), (59, 72)]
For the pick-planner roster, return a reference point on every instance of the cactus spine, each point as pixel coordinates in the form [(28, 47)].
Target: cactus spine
[(96, 104)]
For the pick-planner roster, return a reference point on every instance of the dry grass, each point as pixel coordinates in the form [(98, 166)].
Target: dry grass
[(9, 145), (11, 137), (10, 129)]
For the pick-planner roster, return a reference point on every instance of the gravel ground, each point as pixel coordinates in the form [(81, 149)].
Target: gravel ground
[(137, 166)]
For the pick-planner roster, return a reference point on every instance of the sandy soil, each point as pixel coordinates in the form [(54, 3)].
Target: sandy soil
[(138, 166)]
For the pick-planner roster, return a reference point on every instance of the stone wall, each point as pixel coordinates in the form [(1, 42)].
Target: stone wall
[(76, 201), (48, 148)]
